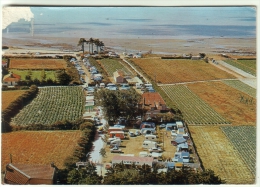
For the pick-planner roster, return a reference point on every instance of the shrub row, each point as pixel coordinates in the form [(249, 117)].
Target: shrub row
[(84, 146), (15, 106), (59, 125)]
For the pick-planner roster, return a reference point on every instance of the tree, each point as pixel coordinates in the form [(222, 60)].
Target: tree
[(91, 41), (102, 152), (82, 42), (119, 103), (43, 75), (101, 45), (97, 43), (63, 77)]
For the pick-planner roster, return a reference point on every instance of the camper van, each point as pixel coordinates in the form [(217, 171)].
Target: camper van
[(145, 131), (147, 144), (110, 129), (150, 137), (138, 85), (118, 134), (102, 85), (116, 142)]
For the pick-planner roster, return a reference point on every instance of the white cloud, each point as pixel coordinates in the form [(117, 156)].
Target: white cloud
[(14, 14)]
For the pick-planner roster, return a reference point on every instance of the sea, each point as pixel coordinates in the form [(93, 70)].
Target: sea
[(138, 22)]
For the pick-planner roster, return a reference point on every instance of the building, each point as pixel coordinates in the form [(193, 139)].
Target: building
[(153, 104), (30, 174), (128, 160), (11, 79), (119, 76)]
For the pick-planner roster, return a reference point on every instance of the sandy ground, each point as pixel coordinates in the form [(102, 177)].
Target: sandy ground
[(159, 46)]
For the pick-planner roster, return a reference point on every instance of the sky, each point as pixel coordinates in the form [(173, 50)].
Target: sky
[(144, 22)]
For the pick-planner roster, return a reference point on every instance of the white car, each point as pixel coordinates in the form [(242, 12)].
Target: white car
[(155, 149), (174, 132)]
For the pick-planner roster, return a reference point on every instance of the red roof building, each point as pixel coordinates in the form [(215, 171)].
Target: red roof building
[(152, 100), (30, 174), (11, 79)]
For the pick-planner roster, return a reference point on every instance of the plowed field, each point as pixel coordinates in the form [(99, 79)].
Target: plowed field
[(180, 70), (38, 147), (218, 154), (10, 96), (28, 63), (227, 102)]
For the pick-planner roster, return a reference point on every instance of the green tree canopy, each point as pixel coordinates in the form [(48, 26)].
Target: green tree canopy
[(119, 103), (63, 77)]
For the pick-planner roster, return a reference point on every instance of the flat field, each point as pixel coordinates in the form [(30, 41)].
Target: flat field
[(10, 96), (38, 147), (52, 104), (180, 70), (218, 154), (243, 139), (36, 74), (237, 84), (33, 63), (227, 101), (112, 65), (194, 109), (248, 66)]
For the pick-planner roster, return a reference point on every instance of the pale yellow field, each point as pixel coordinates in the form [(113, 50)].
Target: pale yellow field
[(218, 154)]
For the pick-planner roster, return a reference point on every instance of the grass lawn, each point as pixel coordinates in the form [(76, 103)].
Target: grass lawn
[(35, 74)]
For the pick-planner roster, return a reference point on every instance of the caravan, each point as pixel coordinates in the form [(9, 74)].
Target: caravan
[(150, 137), (147, 144)]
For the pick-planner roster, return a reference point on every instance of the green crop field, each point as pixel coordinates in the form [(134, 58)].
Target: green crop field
[(243, 139), (35, 74), (51, 105), (249, 66), (237, 84), (194, 109), (112, 65)]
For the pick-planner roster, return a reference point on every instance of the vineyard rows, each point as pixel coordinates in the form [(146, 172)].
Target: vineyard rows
[(249, 67), (112, 65), (194, 109), (243, 139), (237, 84), (51, 105)]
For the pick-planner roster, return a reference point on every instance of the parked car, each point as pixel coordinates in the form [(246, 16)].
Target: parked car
[(174, 132), (177, 156), (162, 126), (137, 133), (125, 87), (131, 134), (115, 150), (155, 149)]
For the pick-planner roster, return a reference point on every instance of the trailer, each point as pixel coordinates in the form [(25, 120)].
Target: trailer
[(111, 129), (119, 134), (147, 144)]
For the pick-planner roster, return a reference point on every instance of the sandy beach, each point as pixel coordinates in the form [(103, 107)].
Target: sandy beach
[(239, 46)]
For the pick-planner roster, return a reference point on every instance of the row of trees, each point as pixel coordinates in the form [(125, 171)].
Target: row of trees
[(99, 44), (70, 174), (121, 174)]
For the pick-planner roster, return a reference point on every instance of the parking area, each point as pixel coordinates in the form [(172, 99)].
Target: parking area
[(133, 146)]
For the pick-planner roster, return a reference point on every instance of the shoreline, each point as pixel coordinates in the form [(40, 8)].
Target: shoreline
[(210, 45)]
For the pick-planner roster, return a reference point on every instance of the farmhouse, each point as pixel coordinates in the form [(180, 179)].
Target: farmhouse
[(11, 79), (30, 174), (153, 103), (119, 76), (128, 160)]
